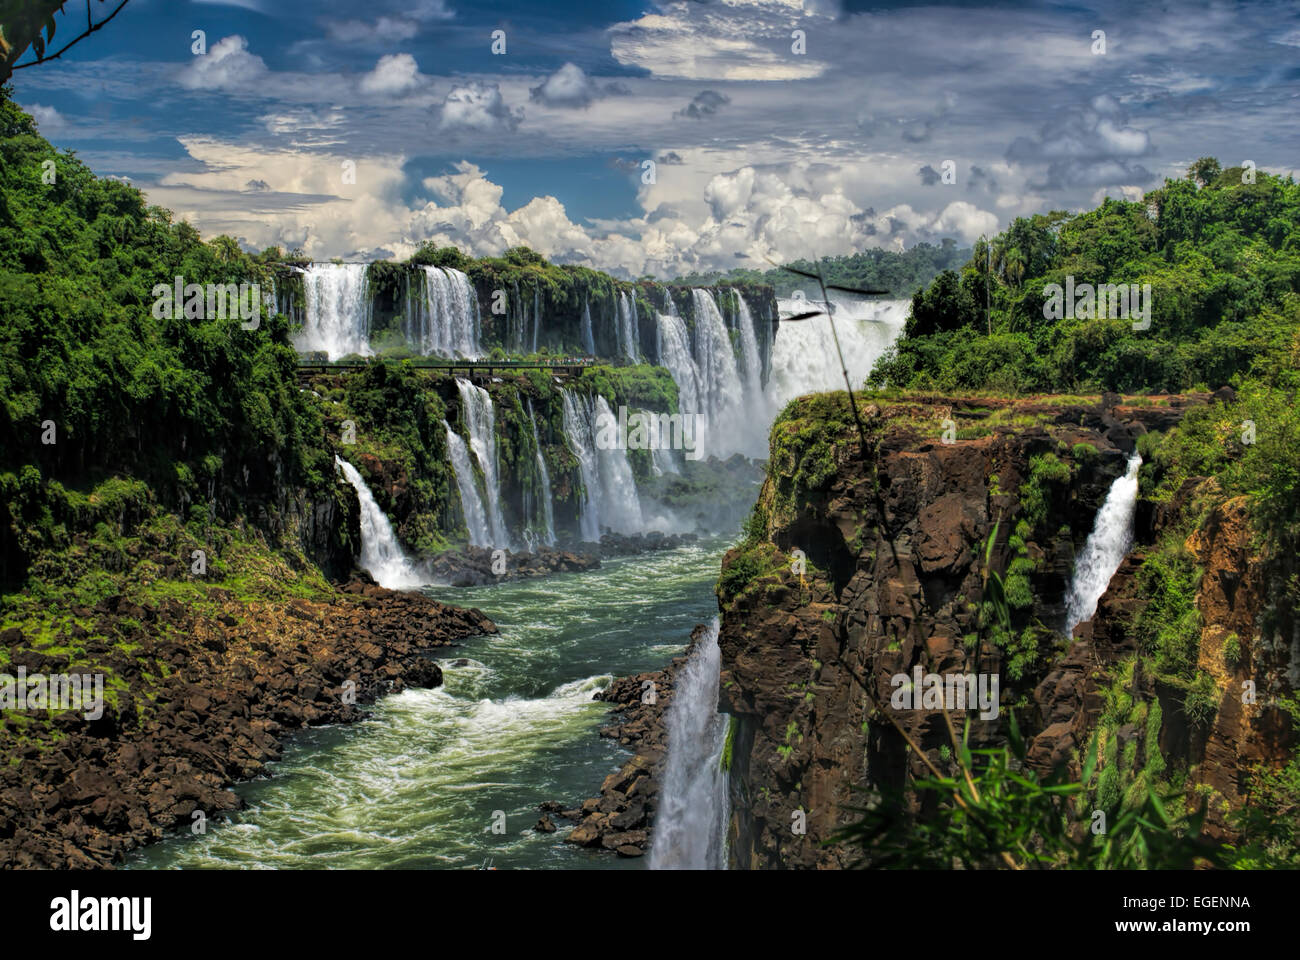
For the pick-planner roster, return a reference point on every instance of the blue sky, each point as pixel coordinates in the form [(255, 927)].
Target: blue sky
[(760, 149)]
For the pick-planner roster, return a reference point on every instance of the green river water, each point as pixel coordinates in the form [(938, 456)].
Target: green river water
[(416, 784)]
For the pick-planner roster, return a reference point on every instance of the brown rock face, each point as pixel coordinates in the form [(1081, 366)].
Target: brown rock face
[(237, 680), (872, 566)]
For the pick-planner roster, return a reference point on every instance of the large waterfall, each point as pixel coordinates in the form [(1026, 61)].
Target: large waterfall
[(738, 406), (449, 325), (381, 554), (611, 498), (804, 358), (338, 310), (1107, 545), (480, 419), (690, 826)]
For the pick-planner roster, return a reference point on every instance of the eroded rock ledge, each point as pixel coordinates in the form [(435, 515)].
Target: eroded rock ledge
[(208, 699)]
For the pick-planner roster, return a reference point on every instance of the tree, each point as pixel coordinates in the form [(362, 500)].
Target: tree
[(1204, 171), (21, 24)]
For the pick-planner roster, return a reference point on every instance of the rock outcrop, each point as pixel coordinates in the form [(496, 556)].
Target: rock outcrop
[(203, 699), (871, 563)]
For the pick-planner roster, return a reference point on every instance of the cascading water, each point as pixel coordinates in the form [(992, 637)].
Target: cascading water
[(537, 315), (471, 503), (381, 555), (338, 310), (548, 512), (449, 324), (690, 826), (620, 505), (753, 363), (1107, 545), (611, 498), (627, 326), (676, 356), (804, 358), (480, 419), (588, 337), (728, 428)]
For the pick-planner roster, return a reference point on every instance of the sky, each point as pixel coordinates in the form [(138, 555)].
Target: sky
[(661, 137)]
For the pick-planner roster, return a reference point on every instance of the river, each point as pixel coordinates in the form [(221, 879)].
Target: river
[(417, 783)]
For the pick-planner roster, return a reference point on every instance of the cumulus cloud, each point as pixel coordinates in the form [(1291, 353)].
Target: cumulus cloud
[(705, 104), (226, 66), (569, 86), (47, 118), (477, 106), (1089, 147), (395, 73)]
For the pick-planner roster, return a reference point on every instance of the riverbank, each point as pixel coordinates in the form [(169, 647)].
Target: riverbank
[(199, 699)]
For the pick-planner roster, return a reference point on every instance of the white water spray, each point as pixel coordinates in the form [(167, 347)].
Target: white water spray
[(480, 419), (381, 555), (1107, 545), (338, 310), (690, 827)]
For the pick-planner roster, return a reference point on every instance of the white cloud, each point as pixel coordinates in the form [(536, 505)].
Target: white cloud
[(699, 43), (226, 66), (477, 106), (395, 73), (47, 118), (569, 86), (383, 30)]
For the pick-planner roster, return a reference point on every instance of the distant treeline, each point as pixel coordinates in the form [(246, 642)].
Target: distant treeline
[(902, 274)]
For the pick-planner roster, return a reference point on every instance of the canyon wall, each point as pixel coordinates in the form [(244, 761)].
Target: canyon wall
[(858, 566)]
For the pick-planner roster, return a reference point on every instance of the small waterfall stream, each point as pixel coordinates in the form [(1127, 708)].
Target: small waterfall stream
[(481, 421), (548, 510), (690, 827), (1105, 549), (381, 555), (471, 503), (449, 323)]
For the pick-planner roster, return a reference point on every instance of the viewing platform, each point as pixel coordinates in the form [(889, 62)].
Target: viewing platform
[(560, 366)]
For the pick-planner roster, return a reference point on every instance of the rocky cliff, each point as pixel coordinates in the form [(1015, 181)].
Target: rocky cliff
[(859, 565)]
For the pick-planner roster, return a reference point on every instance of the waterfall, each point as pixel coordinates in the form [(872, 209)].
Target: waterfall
[(690, 827), (588, 338), (578, 434), (611, 497), (338, 310), (471, 504), (676, 356), (537, 315), (729, 428), (620, 504), (548, 513), (480, 419), (450, 323), (627, 327), (803, 355), (381, 554), (1107, 545), (749, 349)]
